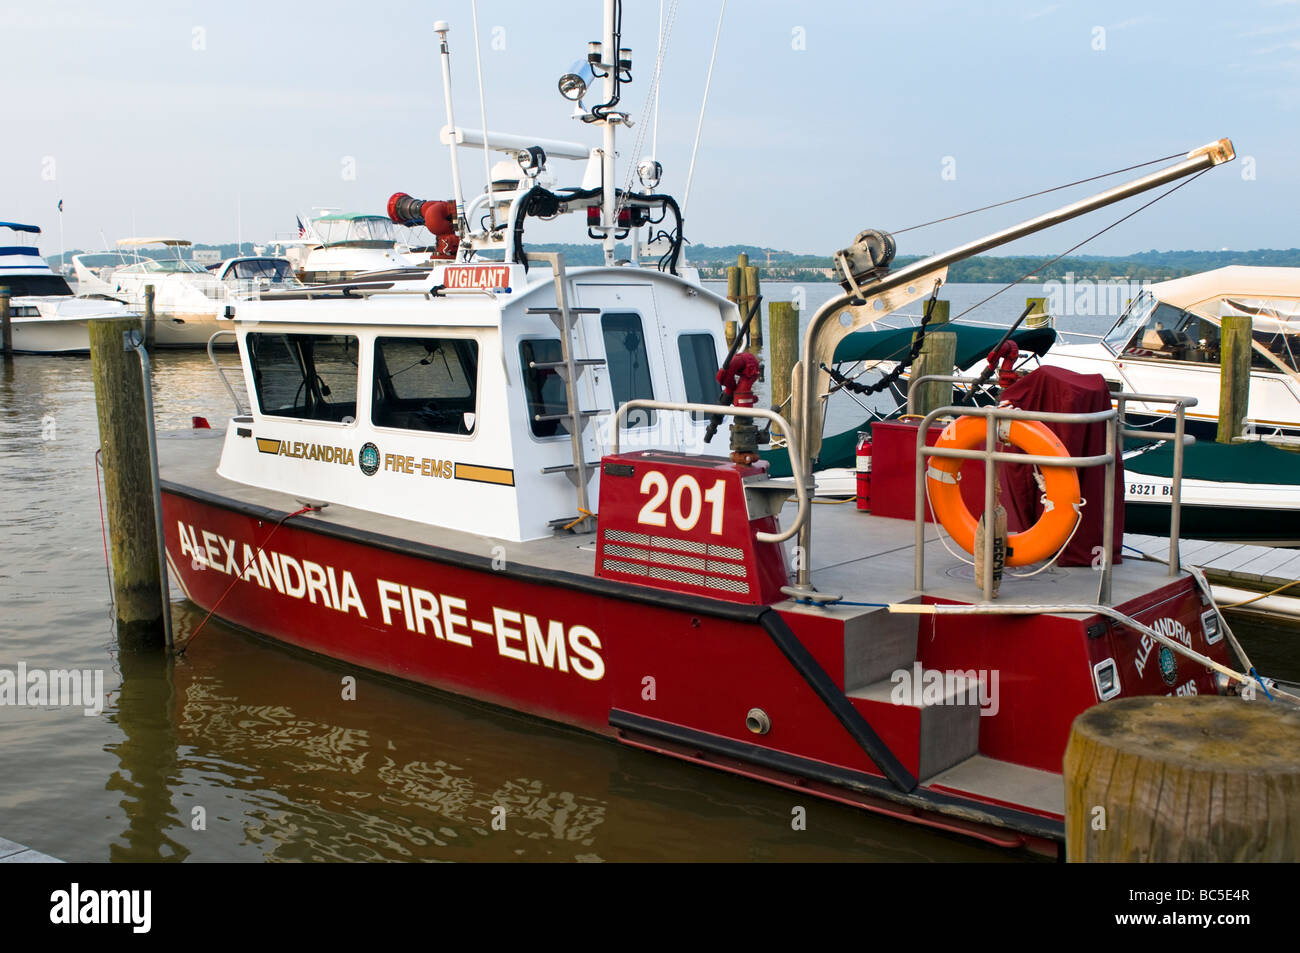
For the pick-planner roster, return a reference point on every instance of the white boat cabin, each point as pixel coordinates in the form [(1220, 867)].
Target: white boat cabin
[(442, 399)]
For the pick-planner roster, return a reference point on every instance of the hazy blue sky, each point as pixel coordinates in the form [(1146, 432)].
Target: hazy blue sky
[(171, 117)]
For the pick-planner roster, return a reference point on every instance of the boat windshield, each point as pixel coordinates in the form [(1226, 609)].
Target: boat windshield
[(1133, 318), (364, 228), (261, 271), (1275, 326), (167, 266)]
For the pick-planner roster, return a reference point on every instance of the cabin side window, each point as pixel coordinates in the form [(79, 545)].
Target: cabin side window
[(428, 384), (628, 362), (699, 369), (543, 386), (304, 376)]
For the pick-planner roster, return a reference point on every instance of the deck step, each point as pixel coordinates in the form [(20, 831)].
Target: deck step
[(877, 644), (928, 735)]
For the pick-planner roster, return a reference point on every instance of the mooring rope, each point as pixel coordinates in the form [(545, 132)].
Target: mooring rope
[(240, 577)]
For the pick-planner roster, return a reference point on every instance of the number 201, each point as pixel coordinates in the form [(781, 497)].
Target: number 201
[(685, 502)]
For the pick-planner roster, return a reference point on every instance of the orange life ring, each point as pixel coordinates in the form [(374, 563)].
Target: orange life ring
[(1061, 487)]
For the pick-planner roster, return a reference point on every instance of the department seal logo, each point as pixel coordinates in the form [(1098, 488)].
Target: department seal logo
[(1168, 665), (368, 459)]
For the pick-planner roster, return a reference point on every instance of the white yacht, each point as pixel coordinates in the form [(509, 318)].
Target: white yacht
[(1167, 342), (336, 246), (190, 301), (45, 316)]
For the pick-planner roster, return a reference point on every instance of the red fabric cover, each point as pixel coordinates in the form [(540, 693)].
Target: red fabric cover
[(1058, 390)]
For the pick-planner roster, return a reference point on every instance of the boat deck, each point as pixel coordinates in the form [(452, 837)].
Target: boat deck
[(860, 557)]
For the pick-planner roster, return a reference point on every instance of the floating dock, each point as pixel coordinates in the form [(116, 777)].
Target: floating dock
[(11, 853)]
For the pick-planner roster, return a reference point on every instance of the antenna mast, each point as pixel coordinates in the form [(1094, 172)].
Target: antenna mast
[(442, 29), (609, 198)]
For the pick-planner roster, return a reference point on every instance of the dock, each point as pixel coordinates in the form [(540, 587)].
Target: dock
[(11, 853), (1257, 568)]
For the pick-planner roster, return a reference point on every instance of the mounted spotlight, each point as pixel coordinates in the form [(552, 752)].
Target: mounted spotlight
[(531, 161), (649, 171), (575, 83)]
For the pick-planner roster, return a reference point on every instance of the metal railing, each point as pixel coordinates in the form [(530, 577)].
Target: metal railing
[(1115, 433), (800, 487), (991, 456), (222, 368)]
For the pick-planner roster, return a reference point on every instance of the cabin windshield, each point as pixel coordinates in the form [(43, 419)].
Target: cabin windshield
[(22, 285), (366, 228), (263, 271), (167, 266)]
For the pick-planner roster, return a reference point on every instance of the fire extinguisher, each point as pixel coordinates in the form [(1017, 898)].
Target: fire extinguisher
[(864, 470)]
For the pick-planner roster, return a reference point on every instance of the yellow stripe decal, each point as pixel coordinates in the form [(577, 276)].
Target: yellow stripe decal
[(468, 471), (267, 445)]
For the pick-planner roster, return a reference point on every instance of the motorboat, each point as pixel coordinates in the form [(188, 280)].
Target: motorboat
[(1167, 342), (497, 477), (190, 300), (336, 246), (46, 317)]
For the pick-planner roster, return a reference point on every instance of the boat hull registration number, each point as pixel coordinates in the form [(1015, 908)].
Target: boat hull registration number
[(1149, 489)]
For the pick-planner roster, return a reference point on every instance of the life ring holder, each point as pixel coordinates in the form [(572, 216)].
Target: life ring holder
[(1062, 498)]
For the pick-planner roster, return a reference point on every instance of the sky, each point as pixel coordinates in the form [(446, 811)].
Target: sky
[(216, 121)]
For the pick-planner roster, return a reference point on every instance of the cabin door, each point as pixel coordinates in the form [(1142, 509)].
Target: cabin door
[(626, 334)]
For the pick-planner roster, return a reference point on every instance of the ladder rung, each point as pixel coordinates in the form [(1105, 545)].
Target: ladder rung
[(557, 311)]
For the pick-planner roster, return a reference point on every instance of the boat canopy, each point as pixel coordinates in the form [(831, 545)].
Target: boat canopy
[(1251, 462), (19, 227), (137, 242), (973, 343), (341, 229), (1236, 281)]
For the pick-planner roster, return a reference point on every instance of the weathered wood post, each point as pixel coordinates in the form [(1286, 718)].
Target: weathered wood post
[(1183, 778), (783, 328), (938, 355), (124, 441), (750, 286), (1234, 375), (1039, 317), (6, 328), (150, 321), (729, 329)]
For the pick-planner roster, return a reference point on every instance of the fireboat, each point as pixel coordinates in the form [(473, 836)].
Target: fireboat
[(494, 475)]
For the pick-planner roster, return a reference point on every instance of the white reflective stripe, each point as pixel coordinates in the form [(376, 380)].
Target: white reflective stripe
[(1004, 430), (941, 476)]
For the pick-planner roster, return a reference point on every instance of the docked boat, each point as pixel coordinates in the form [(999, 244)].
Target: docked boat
[(338, 245), (496, 478), (190, 301), (45, 316), (1167, 342)]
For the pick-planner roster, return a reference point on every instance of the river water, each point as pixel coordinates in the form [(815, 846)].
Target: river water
[(240, 750)]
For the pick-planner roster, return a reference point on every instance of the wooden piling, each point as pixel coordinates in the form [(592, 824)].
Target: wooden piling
[(1038, 318), (783, 328), (750, 291), (150, 320), (1183, 778), (1234, 375), (938, 356), (6, 327), (124, 440), (729, 329)]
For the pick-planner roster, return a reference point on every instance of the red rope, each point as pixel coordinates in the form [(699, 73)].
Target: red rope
[(103, 527), (239, 578)]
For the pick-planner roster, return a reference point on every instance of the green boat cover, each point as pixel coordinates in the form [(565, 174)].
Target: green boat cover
[(1252, 462), (973, 343)]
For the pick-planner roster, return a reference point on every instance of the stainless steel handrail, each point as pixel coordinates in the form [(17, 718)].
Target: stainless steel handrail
[(221, 371), (1180, 442), (801, 491), (990, 456)]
